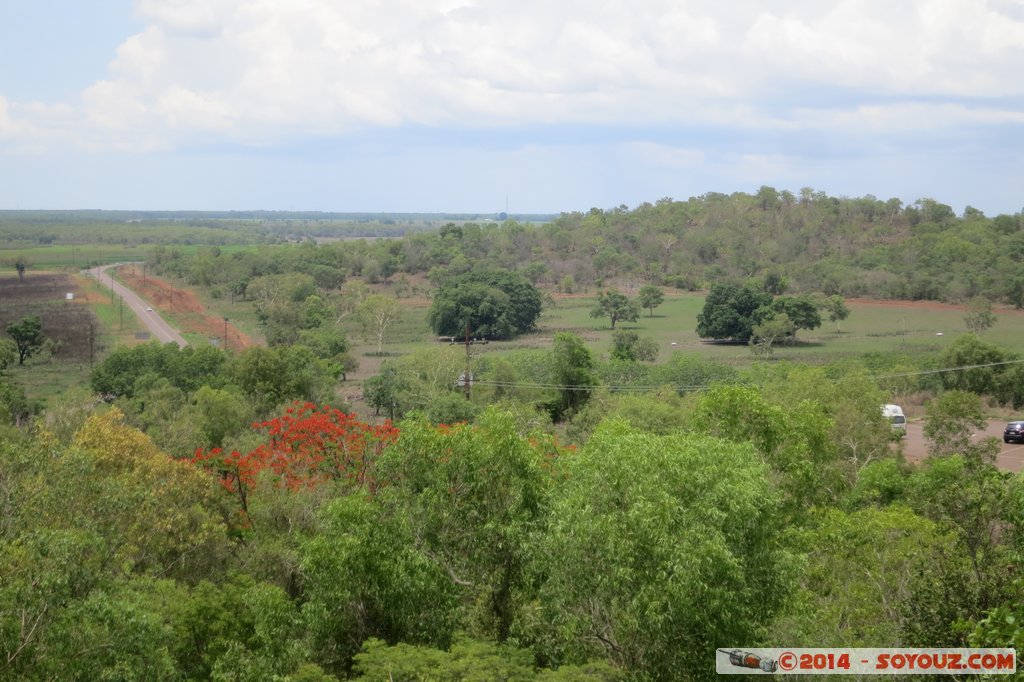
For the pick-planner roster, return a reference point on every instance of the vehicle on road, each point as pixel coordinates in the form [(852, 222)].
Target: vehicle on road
[(1014, 431), (148, 309), (894, 415)]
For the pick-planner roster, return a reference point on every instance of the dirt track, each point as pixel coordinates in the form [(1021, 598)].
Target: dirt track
[(1011, 457)]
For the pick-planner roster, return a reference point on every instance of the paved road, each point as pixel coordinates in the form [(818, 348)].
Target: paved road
[(1010, 458), (162, 331)]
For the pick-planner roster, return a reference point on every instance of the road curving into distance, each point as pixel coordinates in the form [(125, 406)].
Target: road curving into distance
[(156, 325)]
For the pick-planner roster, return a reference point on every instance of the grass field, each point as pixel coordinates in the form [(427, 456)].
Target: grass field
[(80, 256), (878, 326)]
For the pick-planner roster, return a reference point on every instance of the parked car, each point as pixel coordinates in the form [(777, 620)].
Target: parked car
[(1014, 431)]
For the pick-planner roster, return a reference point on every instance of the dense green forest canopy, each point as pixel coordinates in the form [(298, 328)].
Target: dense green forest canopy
[(319, 547)]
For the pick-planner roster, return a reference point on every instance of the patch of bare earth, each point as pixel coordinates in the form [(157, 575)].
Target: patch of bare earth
[(68, 322)]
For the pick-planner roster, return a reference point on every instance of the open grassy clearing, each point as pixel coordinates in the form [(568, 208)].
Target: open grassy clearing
[(45, 379), (875, 326), (910, 328), (72, 256), (80, 256), (242, 314)]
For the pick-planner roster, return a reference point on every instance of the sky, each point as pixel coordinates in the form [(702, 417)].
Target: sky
[(532, 106)]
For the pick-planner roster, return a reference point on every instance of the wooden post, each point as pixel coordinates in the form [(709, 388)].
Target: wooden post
[(465, 377)]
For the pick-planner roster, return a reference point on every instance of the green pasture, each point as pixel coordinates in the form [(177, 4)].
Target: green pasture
[(241, 314), (45, 378), (80, 256), (69, 256), (871, 327)]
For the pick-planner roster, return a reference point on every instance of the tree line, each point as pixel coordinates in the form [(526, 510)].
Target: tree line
[(804, 242)]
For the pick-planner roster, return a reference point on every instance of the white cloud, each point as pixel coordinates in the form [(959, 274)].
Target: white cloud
[(664, 156), (254, 71)]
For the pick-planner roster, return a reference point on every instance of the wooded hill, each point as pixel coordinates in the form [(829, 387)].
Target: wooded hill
[(806, 242)]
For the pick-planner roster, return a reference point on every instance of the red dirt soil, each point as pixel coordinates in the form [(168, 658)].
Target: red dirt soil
[(920, 305), (188, 311)]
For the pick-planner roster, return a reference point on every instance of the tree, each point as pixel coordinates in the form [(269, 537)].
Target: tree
[(315, 312), (859, 576), (630, 347), (276, 290), (837, 309), (353, 293), (981, 357), (451, 408), (623, 344), (20, 264), (763, 336), (731, 311), (794, 438), (385, 391), (157, 514), (271, 376), (390, 590), (15, 408), (801, 310), (306, 446), (982, 507), (8, 352), (1015, 292), (627, 524), (951, 420), (472, 497), (646, 349), (28, 336), (850, 400), (615, 306), (775, 283), (328, 343), (651, 297), (376, 313), (467, 660), (220, 414), (493, 304), (980, 317), (573, 371)]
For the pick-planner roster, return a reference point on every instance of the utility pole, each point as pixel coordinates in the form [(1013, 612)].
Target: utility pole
[(121, 308), (111, 288), (225, 332), (465, 377)]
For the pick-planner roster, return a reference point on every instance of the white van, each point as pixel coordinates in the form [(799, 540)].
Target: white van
[(894, 414)]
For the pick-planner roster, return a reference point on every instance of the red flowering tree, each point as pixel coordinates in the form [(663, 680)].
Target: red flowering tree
[(306, 446)]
